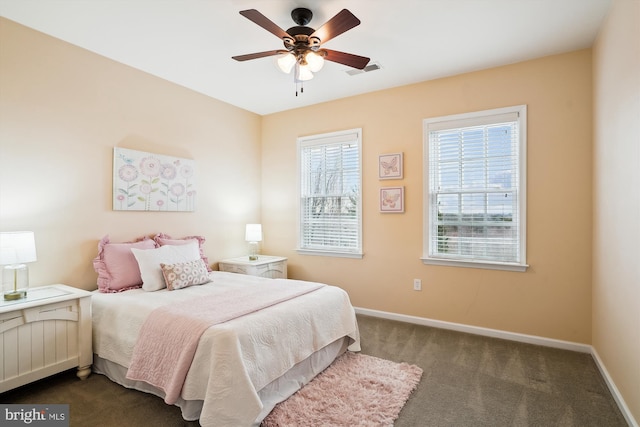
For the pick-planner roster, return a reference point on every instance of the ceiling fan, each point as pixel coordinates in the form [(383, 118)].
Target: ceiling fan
[(302, 44)]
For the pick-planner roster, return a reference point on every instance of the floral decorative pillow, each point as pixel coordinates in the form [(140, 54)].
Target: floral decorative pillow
[(182, 275)]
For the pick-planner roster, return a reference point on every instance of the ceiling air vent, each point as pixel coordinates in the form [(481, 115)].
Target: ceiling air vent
[(371, 67)]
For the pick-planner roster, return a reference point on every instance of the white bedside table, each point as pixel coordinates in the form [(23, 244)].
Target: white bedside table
[(47, 332), (274, 267)]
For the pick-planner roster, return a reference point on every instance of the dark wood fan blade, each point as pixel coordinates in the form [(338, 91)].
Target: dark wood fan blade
[(257, 55), (264, 22), (349, 59), (335, 26)]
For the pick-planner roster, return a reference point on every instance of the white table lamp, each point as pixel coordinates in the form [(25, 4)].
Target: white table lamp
[(253, 235), (16, 249)]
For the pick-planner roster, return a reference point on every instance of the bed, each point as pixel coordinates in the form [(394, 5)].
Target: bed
[(243, 365)]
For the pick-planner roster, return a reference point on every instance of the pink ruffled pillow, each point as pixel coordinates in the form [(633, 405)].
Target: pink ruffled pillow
[(162, 239), (116, 266)]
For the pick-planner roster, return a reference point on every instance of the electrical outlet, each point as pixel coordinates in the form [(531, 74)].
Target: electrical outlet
[(417, 284)]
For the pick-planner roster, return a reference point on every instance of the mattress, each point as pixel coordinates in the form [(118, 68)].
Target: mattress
[(239, 366)]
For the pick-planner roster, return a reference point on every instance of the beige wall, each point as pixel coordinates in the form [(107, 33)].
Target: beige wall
[(553, 298), (64, 109), (616, 250)]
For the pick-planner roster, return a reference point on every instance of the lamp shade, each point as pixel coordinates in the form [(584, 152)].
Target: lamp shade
[(253, 233), (303, 73), (17, 247), (286, 61), (314, 61)]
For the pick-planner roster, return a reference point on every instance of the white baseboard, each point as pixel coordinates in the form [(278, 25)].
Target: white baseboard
[(529, 339), (613, 389), (494, 333)]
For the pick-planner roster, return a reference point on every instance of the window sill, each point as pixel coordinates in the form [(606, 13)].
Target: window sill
[(476, 264), (330, 253)]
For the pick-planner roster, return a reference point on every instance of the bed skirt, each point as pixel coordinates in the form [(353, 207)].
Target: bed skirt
[(272, 394)]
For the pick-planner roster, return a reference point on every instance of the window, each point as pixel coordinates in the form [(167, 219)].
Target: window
[(475, 205), (329, 177)]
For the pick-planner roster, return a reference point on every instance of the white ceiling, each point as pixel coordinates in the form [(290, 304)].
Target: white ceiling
[(190, 42)]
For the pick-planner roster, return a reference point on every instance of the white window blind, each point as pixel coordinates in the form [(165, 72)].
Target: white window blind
[(475, 174), (330, 181)]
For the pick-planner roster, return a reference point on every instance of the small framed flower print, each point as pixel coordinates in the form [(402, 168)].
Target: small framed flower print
[(390, 166), (392, 199)]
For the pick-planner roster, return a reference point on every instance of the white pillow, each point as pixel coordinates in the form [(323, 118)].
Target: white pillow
[(149, 261)]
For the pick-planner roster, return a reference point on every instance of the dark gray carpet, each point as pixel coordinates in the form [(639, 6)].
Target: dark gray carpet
[(468, 380)]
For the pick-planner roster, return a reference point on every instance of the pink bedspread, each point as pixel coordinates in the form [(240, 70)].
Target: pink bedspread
[(169, 336)]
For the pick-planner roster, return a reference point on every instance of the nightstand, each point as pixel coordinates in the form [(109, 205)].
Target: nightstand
[(274, 267), (47, 332)]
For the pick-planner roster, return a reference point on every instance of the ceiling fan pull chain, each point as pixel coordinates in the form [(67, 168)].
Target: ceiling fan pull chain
[(298, 82)]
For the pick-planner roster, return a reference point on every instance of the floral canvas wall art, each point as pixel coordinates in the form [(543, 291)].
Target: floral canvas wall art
[(152, 182)]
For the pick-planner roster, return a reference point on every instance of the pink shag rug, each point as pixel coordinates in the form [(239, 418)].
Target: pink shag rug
[(355, 390)]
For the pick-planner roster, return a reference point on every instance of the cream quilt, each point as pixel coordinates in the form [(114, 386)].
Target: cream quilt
[(236, 359)]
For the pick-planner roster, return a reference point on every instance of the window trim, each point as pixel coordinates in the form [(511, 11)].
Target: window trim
[(324, 139), (470, 118)]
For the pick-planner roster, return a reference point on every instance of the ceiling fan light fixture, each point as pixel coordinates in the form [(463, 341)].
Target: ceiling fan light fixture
[(303, 43), (315, 61), (303, 73), (286, 61)]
